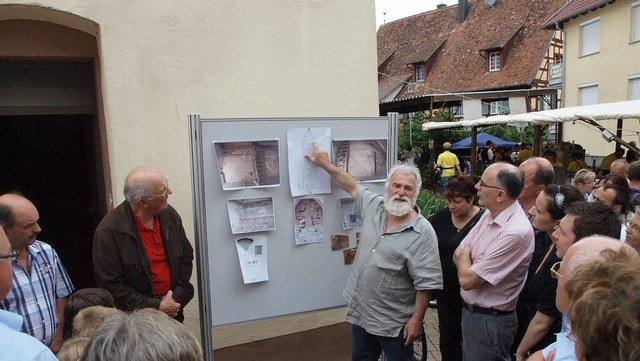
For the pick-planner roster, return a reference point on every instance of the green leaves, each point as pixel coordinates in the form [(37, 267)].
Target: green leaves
[(430, 202)]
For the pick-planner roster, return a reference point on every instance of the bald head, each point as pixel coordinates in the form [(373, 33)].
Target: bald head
[(590, 249), (10, 203), (620, 166), (138, 182), (538, 173), (20, 220), (586, 250)]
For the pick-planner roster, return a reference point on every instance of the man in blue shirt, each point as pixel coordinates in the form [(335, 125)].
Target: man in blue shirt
[(14, 344)]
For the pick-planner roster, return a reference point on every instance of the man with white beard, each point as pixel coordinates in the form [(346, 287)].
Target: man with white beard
[(396, 267)]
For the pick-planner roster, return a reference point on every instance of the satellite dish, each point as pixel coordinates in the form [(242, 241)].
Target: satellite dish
[(491, 3)]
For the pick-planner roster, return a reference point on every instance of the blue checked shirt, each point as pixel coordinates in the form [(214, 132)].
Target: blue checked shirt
[(33, 296)]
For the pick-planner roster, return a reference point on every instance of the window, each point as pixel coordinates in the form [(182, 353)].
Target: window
[(590, 37), (544, 102), (634, 87), (494, 61), (419, 72), (495, 107), (588, 94), (457, 111), (635, 21)]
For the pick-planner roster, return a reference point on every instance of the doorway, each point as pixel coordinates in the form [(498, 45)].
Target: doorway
[(50, 152)]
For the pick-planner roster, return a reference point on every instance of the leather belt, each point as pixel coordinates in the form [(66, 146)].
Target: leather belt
[(485, 311)]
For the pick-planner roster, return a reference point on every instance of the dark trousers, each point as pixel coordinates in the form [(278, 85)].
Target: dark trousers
[(367, 347), (449, 324), (487, 337)]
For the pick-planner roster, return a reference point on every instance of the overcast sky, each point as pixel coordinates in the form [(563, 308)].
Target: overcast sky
[(398, 9)]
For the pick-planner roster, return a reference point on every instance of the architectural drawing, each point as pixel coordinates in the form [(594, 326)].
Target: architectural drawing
[(304, 177)]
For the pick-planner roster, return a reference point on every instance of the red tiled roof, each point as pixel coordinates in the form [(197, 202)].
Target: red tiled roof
[(459, 64), (572, 9)]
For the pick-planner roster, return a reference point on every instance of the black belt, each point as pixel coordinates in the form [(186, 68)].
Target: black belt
[(485, 311)]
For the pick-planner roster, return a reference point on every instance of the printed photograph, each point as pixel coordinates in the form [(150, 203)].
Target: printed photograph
[(251, 215), (248, 164), (365, 160)]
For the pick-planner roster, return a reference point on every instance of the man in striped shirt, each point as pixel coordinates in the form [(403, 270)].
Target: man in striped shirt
[(40, 282)]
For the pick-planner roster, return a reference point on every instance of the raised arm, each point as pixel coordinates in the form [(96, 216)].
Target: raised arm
[(343, 179)]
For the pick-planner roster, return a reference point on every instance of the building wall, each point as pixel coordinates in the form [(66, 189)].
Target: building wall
[(610, 67), (160, 61)]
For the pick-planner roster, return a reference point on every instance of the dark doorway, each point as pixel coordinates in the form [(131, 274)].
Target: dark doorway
[(53, 160)]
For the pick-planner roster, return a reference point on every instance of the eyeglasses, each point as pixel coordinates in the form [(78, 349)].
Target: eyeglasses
[(554, 271), (633, 227), (483, 184), (165, 193), (13, 255)]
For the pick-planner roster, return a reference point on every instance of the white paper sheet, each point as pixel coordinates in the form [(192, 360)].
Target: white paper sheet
[(304, 177), (252, 254)]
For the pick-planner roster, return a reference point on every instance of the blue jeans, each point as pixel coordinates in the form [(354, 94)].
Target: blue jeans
[(367, 347), (443, 182)]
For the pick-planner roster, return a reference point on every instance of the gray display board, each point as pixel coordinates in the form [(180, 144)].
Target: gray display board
[(301, 278)]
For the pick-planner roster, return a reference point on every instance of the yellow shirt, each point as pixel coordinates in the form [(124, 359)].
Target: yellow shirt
[(606, 161), (448, 162), (524, 155), (576, 165)]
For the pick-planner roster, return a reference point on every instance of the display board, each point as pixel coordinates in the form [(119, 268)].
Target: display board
[(301, 277)]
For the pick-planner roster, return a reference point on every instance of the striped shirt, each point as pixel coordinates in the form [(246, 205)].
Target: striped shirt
[(33, 296)]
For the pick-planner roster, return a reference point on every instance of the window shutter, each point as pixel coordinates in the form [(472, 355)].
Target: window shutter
[(590, 37), (589, 95), (485, 108), (636, 22), (634, 89)]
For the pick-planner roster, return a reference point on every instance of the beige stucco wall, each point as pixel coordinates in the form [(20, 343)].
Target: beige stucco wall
[(617, 59), (161, 60)]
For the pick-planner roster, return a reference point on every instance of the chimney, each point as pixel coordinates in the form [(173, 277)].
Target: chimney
[(440, 6), (463, 9)]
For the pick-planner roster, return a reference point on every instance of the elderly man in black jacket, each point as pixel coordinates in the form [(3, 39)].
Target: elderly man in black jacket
[(141, 253)]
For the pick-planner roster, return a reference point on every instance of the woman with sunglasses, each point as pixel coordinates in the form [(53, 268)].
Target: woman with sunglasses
[(451, 225), (545, 319)]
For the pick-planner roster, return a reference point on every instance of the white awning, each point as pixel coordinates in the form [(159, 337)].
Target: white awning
[(618, 110)]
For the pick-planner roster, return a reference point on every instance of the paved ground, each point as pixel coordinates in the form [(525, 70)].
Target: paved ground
[(433, 335), (331, 343)]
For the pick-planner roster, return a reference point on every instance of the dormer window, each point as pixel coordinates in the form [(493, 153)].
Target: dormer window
[(419, 73), (494, 61)]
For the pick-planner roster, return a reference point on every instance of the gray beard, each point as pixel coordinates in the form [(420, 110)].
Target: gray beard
[(397, 209)]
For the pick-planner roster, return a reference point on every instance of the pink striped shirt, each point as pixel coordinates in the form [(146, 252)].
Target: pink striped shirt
[(501, 250)]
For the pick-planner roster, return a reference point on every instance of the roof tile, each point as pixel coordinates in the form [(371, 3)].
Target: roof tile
[(459, 64)]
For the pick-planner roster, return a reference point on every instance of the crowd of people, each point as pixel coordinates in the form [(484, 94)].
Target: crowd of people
[(511, 248), (142, 263)]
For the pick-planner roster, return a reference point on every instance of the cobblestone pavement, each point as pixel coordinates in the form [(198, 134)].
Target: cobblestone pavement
[(433, 335)]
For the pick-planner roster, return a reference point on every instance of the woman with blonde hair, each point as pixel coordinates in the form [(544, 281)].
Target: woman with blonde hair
[(584, 180)]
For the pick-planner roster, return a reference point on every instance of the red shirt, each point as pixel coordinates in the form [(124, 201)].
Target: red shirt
[(152, 242)]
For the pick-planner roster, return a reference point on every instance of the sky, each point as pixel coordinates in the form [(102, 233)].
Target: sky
[(398, 9)]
